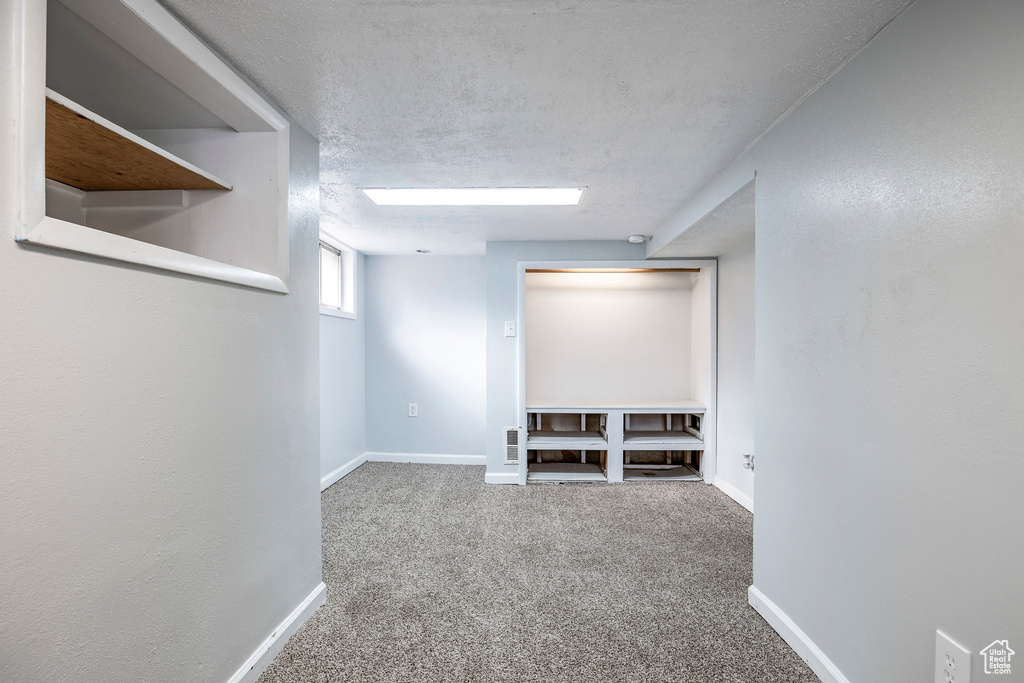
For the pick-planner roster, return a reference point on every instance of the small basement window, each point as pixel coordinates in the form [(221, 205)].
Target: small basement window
[(337, 278)]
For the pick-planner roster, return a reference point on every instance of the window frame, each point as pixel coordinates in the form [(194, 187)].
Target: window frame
[(348, 281)]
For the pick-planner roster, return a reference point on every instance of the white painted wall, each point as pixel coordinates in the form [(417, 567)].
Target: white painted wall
[(736, 370), (607, 336), (160, 494), (343, 383), (502, 304), (889, 361), (425, 323)]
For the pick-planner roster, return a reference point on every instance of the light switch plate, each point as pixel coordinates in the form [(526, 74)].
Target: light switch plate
[(510, 328), (952, 660)]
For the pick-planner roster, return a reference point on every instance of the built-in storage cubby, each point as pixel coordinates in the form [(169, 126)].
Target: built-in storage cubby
[(567, 465), (565, 446), (672, 430), (142, 145), (669, 465), (567, 430), (619, 359)]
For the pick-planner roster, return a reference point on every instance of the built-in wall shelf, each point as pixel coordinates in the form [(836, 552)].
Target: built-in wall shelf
[(617, 371), (661, 441), (584, 405), (540, 440), (615, 441), (86, 151)]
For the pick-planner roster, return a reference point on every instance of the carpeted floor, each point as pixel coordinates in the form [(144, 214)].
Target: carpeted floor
[(434, 576)]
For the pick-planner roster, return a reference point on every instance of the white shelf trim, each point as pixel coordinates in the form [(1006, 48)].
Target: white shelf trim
[(604, 405), (58, 234), (635, 440)]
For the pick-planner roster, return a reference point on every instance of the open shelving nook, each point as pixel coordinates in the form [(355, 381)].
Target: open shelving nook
[(567, 446), (133, 141), (618, 359)]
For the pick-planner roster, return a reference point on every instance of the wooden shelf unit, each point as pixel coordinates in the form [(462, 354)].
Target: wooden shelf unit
[(86, 151)]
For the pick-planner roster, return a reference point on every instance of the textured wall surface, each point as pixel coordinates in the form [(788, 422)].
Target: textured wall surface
[(736, 382), (425, 323), (343, 383), (889, 360), (159, 440)]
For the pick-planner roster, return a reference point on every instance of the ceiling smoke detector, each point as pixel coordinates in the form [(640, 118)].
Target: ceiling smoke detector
[(637, 239)]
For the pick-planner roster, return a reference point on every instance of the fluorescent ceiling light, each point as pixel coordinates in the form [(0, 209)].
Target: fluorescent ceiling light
[(476, 196)]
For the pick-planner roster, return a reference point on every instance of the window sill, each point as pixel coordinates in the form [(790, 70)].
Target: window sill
[(335, 313)]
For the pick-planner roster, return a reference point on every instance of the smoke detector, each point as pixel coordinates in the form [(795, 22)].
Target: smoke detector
[(637, 239)]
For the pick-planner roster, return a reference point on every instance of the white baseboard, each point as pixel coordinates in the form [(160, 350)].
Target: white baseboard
[(428, 458), (501, 478), (797, 639), (337, 474), (260, 659), (734, 493)]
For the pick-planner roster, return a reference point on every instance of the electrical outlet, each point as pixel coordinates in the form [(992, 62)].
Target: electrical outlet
[(510, 328), (414, 410), (952, 660)]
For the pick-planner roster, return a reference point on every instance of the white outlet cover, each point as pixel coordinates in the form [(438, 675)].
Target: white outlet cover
[(414, 410), (510, 328), (952, 660)]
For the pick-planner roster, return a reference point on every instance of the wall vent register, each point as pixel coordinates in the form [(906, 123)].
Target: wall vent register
[(511, 445)]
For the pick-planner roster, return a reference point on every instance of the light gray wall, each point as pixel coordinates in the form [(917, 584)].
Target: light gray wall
[(425, 322), (736, 366), (159, 438), (889, 360), (343, 383), (502, 304)]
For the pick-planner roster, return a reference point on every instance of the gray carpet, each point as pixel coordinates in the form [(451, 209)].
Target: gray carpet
[(434, 576)]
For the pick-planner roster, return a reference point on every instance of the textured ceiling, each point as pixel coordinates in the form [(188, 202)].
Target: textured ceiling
[(643, 103)]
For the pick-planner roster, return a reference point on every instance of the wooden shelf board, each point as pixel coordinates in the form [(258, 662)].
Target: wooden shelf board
[(86, 151)]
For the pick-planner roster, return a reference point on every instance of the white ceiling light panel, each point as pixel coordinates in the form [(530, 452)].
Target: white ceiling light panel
[(475, 196)]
